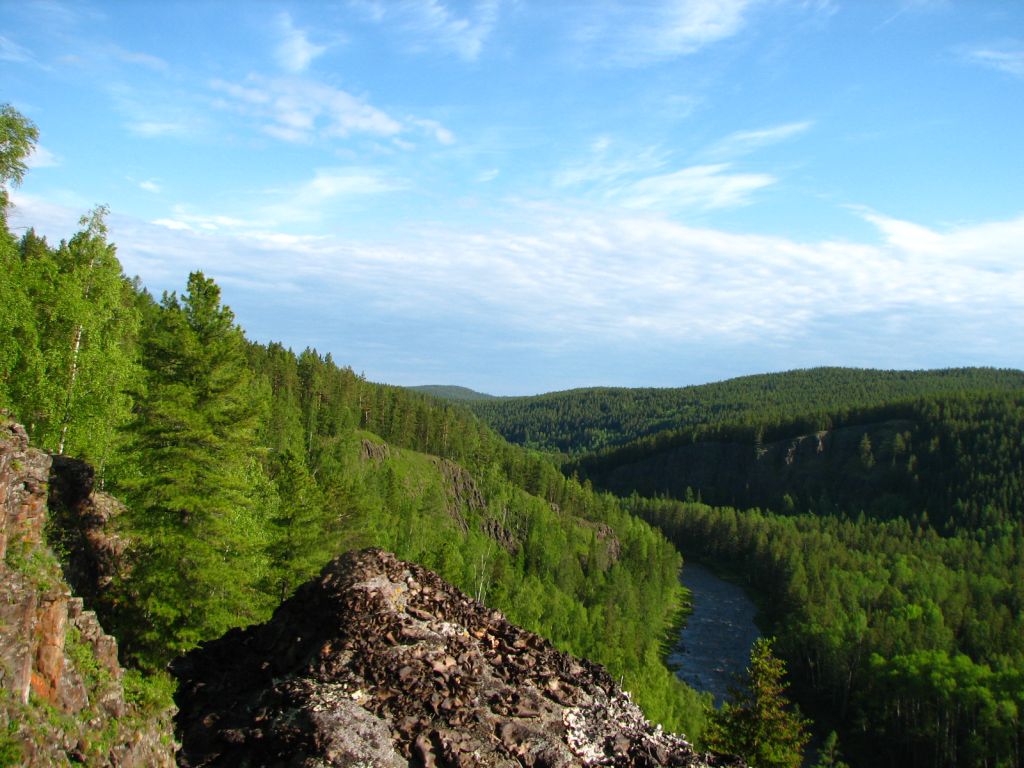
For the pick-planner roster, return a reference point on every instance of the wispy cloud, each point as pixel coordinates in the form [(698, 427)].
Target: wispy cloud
[(294, 109), (637, 179), (744, 142), (157, 114), (41, 157), (11, 51), (1008, 57), (622, 33), (699, 186), (607, 162), (430, 24), (137, 58), (294, 51), (301, 110), (609, 281), (150, 186)]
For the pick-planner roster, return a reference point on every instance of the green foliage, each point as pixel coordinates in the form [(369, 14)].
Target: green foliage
[(18, 137), (755, 723), (914, 640), (582, 421), (196, 506), (12, 751), (829, 756), (149, 695)]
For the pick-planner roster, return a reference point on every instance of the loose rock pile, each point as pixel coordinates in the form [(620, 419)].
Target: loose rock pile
[(378, 662)]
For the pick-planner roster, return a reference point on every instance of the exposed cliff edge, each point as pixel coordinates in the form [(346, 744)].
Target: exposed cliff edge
[(62, 697), (379, 662)]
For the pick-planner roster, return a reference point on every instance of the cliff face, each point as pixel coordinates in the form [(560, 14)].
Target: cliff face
[(62, 698), (379, 662)]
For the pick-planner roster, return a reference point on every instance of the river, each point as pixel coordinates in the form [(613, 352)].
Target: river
[(714, 646)]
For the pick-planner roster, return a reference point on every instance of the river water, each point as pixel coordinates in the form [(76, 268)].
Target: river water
[(714, 646)]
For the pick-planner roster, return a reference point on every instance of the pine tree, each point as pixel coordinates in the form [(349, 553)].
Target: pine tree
[(197, 504), (829, 755), (299, 536), (755, 724)]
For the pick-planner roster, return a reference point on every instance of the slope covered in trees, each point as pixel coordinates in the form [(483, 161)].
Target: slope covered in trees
[(954, 459), (878, 516), (586, 420), (245, 467)]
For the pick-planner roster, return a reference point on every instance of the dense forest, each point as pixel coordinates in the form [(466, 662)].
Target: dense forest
[(245, 467), (884, 541), (583, 421)]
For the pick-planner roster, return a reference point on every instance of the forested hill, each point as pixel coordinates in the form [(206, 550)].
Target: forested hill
[(453, 393), (580, 421), (245, 467), (955, 460)]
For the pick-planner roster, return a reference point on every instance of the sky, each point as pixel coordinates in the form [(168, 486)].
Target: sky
[(521, 197)]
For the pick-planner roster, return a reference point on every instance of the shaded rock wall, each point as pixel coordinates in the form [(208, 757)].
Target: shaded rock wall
[(62, 699), (380, 662)]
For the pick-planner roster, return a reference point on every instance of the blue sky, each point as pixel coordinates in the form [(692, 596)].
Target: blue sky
[(528, 196)]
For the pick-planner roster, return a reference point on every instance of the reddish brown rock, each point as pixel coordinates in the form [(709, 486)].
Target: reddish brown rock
[(44, 631)]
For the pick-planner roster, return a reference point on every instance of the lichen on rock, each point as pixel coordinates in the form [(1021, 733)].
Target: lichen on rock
[(381, 662)]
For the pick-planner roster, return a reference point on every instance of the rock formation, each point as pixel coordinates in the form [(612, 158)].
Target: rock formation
[(379, 662), (61, 694)]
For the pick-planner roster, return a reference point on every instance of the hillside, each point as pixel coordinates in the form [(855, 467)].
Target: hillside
[(955, 459), (581, 421), (453, 393), (245, 467)]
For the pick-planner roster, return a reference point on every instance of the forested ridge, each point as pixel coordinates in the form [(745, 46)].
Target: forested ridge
[(582, 421), (884, 541), (245, 467)]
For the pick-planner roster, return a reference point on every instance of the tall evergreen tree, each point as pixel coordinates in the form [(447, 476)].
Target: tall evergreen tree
[(197, 509)]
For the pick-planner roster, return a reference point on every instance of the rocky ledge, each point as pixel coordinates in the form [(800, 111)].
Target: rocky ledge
[(379, 662), (62, 697)]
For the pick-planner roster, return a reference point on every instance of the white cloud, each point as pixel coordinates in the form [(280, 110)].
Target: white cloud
[(136, 57), (1005, 58), (622, 33), (699, 186), (149, 186), (156, 128), (294, 51), (635, 178), (605, 280), (41, 157), (300, 110), (11, 51), (441, 134), (745, 142), (608, 162), (431, 24)]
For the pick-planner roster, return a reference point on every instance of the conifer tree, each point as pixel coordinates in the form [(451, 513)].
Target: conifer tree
[(756, 724), (197, 507)]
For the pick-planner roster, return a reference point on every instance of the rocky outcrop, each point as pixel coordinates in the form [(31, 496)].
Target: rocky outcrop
[(85, 522), (379, 662), (61, 694)]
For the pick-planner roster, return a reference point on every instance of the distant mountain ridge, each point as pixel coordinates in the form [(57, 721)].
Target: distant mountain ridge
[(453, 392), (580, 421)]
